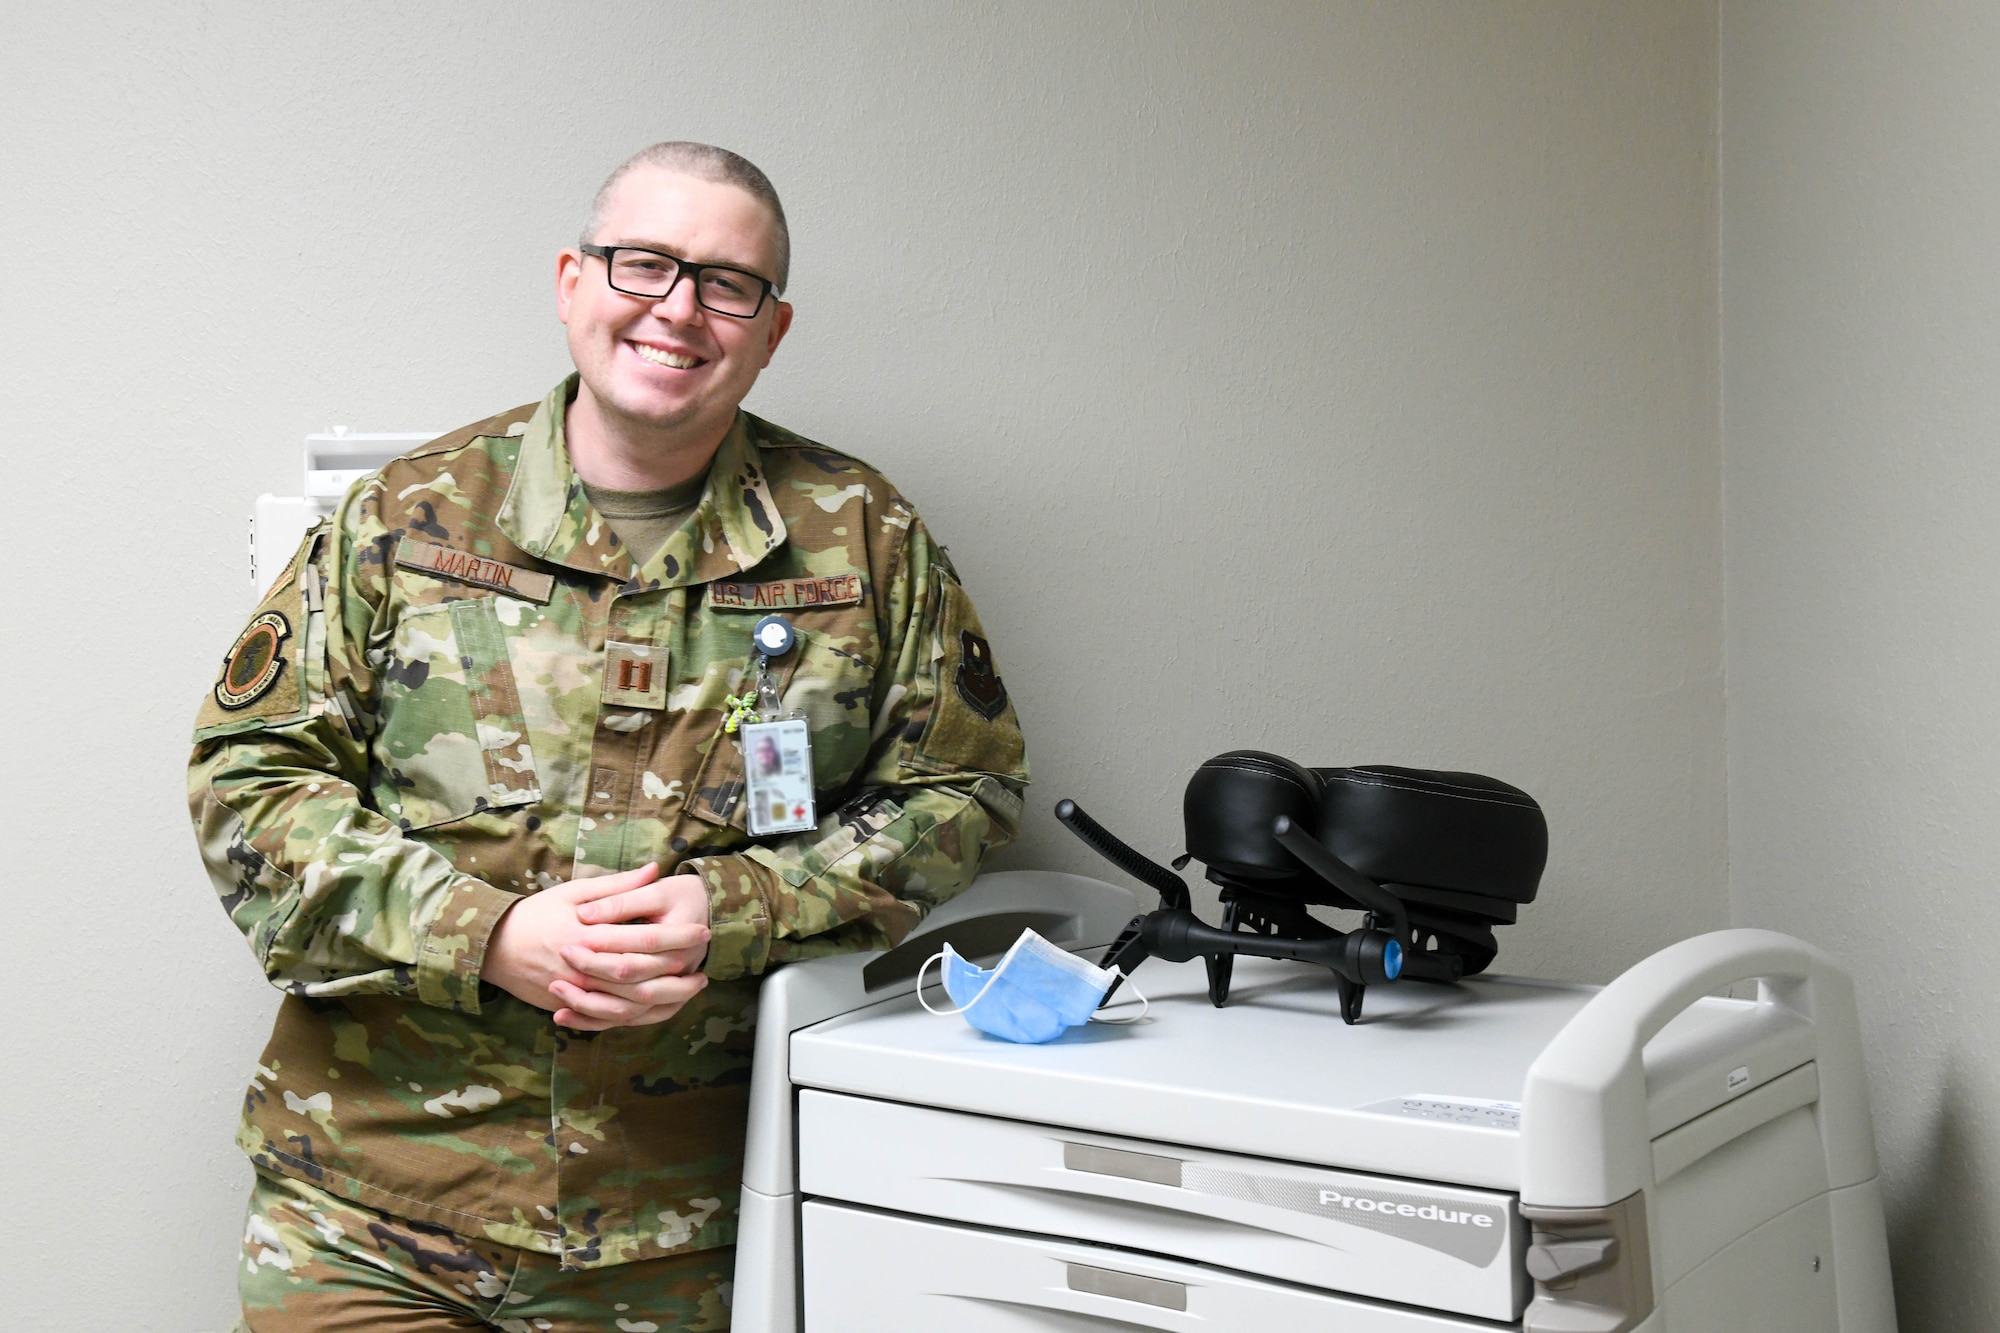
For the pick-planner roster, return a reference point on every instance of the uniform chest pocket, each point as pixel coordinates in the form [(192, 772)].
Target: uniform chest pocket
[(828, 684), (832, 688), (452, 739)]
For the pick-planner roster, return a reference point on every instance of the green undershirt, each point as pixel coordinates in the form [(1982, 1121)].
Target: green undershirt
[(644, 520)]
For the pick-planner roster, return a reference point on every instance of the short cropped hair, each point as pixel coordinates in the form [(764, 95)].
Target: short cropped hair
[(709, 163)]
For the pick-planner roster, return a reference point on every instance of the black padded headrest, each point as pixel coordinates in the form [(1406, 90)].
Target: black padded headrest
[(1230, 804), (1456, 831)]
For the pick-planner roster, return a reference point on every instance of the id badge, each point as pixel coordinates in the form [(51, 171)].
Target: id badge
[(778, 776)]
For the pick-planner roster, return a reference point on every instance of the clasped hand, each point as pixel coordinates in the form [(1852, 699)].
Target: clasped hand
[(617, 950)]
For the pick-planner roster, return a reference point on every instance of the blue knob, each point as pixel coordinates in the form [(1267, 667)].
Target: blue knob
[(1392, 959)]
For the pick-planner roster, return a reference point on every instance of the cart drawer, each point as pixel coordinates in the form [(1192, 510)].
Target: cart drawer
[(888, 1274), (1443, 1247)]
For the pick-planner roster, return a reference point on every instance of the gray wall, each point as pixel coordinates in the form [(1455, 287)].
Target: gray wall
[(1336, 378), (1860, 283)]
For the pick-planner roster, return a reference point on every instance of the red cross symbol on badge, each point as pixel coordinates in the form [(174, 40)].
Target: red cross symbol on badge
[(798, 812)]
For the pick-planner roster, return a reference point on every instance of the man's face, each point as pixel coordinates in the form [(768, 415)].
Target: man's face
[(668, 364)]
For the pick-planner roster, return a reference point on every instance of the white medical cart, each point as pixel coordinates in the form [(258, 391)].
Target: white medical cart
[(1497, 1153)]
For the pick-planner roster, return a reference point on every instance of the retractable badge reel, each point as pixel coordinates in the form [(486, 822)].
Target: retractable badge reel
[(777, 750)]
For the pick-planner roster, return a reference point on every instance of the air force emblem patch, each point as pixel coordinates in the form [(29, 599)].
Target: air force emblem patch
[(255, 662)]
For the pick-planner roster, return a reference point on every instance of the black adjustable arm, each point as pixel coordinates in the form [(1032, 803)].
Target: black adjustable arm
[(1172, 888), (1357, 955), (1342, 876), (1126, 952)]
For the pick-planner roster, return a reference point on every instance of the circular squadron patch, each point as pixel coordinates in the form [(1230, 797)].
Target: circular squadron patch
[(255, 662)]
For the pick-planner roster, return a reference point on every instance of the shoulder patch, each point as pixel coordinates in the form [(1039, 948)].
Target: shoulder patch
[(977, 682), (252, 667)]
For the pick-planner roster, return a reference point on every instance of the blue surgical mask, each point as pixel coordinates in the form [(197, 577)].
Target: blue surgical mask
[(1033, 994)]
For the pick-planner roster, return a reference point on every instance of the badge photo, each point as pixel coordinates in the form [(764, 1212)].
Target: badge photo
[(255, 662)]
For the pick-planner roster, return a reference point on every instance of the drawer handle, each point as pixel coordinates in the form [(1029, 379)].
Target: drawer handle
[(1128, 1287), (1145, 1166), (1678, 1149)]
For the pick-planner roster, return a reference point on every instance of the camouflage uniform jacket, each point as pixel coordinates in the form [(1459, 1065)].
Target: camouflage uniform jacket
[(463, 690)]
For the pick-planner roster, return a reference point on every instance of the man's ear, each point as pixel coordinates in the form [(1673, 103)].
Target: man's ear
[(569, 267), (781, 324)]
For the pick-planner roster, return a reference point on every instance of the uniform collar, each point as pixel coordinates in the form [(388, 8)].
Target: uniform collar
[(734, 527)]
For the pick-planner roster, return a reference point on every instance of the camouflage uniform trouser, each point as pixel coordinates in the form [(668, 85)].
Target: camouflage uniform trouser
[(314, 1261)]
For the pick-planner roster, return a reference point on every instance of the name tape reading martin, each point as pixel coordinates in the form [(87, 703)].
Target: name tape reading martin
[(445, 562)]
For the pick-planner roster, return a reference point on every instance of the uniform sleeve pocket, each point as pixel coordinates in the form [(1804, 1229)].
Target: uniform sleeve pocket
[(453, 739), (972, 724), (260, 684)]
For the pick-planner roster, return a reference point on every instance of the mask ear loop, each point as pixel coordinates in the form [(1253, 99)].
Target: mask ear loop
[(947, 1013), (1145, 1004)]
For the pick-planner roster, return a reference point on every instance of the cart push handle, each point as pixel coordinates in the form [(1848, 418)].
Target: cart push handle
[(1585, 1140)]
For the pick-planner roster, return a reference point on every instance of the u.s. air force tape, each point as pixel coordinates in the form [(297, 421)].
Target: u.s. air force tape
[(786, 594)]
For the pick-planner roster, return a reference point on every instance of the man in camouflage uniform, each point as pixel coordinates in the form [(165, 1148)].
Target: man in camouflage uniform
[(465, 786)]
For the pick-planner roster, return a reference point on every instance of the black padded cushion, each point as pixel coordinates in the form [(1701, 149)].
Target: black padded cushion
[(1230, 804), (1456, 831)]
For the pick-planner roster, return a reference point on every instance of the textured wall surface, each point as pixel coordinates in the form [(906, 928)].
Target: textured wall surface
[(1335, 378), (1860, 283)]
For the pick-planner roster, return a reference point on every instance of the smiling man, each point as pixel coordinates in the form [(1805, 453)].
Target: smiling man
[(472, 784)]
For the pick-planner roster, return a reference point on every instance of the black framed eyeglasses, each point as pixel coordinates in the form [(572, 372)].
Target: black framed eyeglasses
[(651, 274)]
